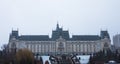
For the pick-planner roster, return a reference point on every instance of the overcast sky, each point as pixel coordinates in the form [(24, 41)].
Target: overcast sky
[(39, 17)]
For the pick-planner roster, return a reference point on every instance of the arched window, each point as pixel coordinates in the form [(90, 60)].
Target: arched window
[(106, 45), (13, 45), (60, 46)]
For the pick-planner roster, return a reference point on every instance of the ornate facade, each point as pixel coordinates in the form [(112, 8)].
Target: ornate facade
[(60, 42)]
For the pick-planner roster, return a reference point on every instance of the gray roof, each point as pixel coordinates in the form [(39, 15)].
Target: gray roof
[(104, 34), (57, 34), (46, 38), (85, 37), (34, 37)]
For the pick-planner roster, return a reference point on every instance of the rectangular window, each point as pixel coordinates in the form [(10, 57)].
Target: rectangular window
[(81, 47), (39, 48), (74, 48), (85, 48)]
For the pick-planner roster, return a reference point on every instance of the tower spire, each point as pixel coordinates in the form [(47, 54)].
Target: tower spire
[(57, 26)]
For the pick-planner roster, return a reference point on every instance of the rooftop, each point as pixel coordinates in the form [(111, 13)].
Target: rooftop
[(57, 33)]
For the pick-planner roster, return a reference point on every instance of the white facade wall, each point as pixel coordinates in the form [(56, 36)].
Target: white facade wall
[(48, 47)]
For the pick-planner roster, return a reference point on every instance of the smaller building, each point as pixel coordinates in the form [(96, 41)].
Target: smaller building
[(116, 41)]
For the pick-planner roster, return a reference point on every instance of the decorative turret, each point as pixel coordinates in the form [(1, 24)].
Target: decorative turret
[(12, 41), (104, 34), (14, 34), (105, 39)]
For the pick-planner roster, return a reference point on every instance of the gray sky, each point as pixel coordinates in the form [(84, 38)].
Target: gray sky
[(41, 16)]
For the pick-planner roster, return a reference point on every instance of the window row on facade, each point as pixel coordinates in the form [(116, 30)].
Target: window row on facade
[(44, 48)]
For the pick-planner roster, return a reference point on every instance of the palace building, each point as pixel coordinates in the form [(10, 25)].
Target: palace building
[(60, 42)]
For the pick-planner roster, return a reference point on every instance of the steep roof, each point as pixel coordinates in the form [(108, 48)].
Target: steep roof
[(34, 37), (59, 32), (85, 37), (63, 34), (104, 34)]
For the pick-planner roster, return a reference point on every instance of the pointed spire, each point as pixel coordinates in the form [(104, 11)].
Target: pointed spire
[(57, 26)]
